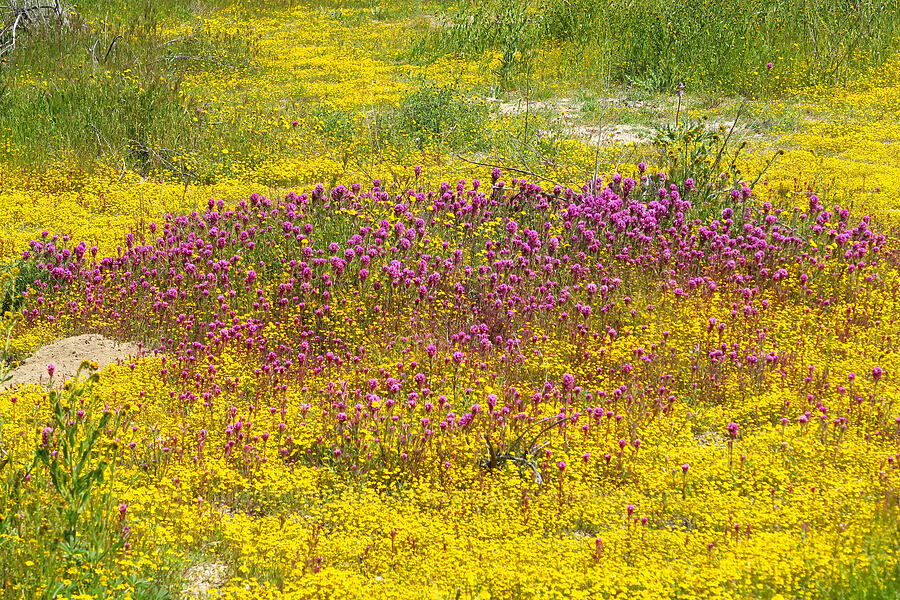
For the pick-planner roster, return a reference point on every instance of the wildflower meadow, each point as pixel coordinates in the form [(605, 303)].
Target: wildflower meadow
[(350, 299)]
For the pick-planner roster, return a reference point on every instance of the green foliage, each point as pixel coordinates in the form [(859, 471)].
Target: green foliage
[(656, 44), (105, 82), (879, 579), (8, 327), (440, 115), (22, 275), (76, 520), (69, 457), (503, 26), (707, 159), (338, 126)]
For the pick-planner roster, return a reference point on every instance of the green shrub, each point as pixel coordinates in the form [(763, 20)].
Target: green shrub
[(79, 526), (435, 114), (20, 275)]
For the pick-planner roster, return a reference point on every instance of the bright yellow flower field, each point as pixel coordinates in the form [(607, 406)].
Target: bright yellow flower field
[(371, 364)]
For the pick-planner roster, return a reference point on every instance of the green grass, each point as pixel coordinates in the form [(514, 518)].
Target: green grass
[(439, 115), (657, 43), (106, 84)]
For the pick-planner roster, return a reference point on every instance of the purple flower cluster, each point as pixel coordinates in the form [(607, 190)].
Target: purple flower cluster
[(450, 283)]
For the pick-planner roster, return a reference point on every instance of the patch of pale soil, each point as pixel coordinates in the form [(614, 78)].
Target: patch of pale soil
[(565, 107), (613, 134), (742, 130), (710, 437), (66, 355), (202, 579), (569, 112), (434, 22)]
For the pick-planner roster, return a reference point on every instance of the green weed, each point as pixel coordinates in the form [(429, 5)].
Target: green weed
[(22, 275), (76, 520), (438, 115), (108, 86)]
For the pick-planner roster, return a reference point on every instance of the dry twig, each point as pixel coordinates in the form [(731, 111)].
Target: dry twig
[(17, 16)]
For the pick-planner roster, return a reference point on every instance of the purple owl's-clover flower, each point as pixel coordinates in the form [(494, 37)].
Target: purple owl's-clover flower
[(51, 369), (733, 429), (877, 372)]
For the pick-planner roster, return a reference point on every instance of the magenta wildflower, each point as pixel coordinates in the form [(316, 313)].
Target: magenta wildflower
[(733, 429)]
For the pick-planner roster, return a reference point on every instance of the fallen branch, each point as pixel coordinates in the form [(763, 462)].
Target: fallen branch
[(19, 16), (160, 155), (507, 168)]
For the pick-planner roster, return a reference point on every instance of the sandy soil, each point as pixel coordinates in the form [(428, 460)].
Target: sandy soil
[(569, 113), (203, 578), (66, 355)]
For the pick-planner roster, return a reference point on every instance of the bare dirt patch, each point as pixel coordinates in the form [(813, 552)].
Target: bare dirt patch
[(572, 123), (203, 578), (613, 134), (66, 355), (710, 437)]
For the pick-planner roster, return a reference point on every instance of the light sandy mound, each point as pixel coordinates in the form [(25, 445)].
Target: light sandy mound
[(204, 579), (66, 355)]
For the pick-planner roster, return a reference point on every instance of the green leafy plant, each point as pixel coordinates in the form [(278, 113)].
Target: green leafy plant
[(58, 511), (20, 275), (434, 114), (723, 45), (78, 465), (704, 161), (5, 363)]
